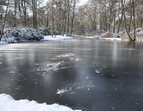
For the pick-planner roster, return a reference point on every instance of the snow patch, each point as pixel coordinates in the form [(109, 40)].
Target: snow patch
[(97, 71), (50, 66), (2, 42), (87, 85), (70, 56), (56, 38), (111, 39), (65, 55), (7, 103), (90, 37), (12, 72), (62, 91), (54, 66)]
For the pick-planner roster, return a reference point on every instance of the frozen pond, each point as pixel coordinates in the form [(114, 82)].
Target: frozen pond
[(82, 74)]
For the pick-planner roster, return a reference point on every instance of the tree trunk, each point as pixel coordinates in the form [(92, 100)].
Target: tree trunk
[(141, 22), (34, 9), (130, 22), (134, 21), (125, 19), (73, 16), (4, 21), (25, 12), (114, 21), (120, 22), (15, 13)]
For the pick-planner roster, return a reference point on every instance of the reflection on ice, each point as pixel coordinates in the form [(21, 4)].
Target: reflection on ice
[(17, 58)]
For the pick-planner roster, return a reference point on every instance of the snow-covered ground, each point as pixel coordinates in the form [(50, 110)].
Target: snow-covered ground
[(57, 37), (111, 39), (7, 103)]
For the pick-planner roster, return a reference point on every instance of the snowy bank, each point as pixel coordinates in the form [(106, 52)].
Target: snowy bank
[(15, 35), (111, 39), (139, 35), (107, 35), (7, 103), (56, 38)]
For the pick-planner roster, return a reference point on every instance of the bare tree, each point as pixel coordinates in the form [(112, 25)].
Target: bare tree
[(34, 11), (4, 19)]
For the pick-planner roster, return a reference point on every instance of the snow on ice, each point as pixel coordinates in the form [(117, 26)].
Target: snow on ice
[(49, 66), (62, 91), (7, 103), (55, 66), (66, 55), (97, 71), (70, 56)]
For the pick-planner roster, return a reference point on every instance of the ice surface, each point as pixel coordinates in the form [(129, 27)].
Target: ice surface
[(7, 103)]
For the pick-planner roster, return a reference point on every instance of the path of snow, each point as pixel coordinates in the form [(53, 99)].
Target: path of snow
[(56, 38), (7, 103)]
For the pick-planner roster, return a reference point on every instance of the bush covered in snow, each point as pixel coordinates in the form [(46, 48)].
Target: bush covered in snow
[(14, 35)]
